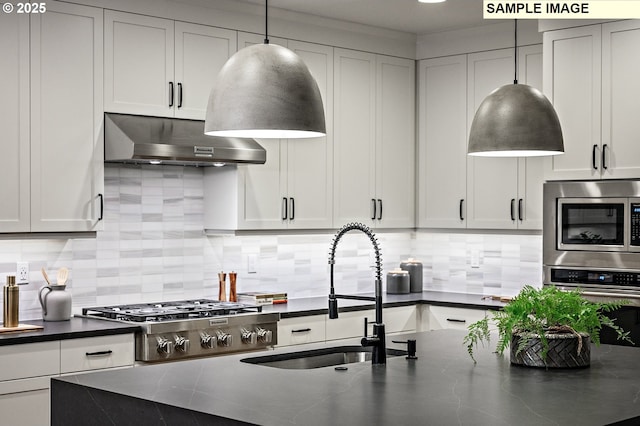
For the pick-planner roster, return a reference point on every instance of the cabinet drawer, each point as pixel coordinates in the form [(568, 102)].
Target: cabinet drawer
[(350, 324), (25, 402), (400, 319), (93, 353), (453, 318), (29, 360), (295, 331)]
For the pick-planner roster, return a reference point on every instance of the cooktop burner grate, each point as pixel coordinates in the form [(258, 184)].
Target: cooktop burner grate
[(168, 311)]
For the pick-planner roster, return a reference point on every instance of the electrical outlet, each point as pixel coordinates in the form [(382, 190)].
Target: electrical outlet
[(22, 273), (252, 261), (475, 258)]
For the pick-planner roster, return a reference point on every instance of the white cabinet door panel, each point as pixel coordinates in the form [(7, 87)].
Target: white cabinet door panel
[(66, 115), (492, 183), (14, 124), (139, 64), (572, 82), (442, 146), (200, 53), (395, 142), (354, 159), (620, 93), (310, 161)]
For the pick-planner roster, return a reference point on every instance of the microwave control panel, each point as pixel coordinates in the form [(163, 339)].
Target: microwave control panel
[(581, 276), (635, 224)]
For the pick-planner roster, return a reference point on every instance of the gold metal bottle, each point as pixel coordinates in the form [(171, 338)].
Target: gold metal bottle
[(11, 303)]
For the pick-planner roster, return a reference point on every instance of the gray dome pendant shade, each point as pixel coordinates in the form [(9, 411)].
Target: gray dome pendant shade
[(265, 91), (515, 120)]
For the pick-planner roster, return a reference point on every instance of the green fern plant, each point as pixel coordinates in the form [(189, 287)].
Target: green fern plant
[(535, 312)]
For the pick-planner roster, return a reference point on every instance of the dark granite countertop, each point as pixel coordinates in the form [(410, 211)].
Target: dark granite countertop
[(318, 305), (442, 387), (61, 330)]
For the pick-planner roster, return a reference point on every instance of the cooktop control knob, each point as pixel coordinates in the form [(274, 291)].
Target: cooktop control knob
[(248, 337), (264, 335), (182, 344), (208, 341), (225, 339), (165, 346)]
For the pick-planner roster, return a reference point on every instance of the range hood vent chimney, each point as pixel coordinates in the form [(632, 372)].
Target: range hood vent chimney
[(158, 140)]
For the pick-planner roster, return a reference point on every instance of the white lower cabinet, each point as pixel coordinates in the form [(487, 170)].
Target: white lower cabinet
[(351, 324), (296, 331), (444, 317), (319, 328), (96, 353), (26, 371)]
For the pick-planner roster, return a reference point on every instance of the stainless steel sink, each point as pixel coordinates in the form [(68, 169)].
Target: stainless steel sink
[(317, 358)]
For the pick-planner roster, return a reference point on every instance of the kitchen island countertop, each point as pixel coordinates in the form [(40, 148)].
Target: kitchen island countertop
[(442, 387)]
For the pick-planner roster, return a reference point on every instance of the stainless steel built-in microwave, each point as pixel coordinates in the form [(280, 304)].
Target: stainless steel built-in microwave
[(591, 235)]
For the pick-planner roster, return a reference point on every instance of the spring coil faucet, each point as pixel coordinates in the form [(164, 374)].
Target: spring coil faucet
[(377, 340)]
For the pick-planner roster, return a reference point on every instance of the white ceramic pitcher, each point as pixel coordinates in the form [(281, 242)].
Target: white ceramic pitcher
[(56, 303)]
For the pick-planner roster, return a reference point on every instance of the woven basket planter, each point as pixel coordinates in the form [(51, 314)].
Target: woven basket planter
[(563, 351)]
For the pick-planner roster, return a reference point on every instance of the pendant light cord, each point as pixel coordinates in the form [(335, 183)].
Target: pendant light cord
[(515, 54), (266, 21)]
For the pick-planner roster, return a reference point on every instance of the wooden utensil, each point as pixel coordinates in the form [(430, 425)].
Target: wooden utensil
[(63, 274), (46, 277)]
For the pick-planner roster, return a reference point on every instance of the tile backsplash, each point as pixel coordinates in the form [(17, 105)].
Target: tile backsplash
[(153, 248)]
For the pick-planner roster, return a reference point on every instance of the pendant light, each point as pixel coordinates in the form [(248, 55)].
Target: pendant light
[(515, 120), (265, 91)]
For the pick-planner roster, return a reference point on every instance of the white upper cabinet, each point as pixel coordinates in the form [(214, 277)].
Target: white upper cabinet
[(395, 142), (442, 142), (354, 133), (572, 82), (310, 161), (159, 67), (620, 93), (374, 152), (14, 124), (200, 53), (492, 183)]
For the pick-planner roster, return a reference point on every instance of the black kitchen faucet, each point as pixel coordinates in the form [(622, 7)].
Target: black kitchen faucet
[(377, 340)]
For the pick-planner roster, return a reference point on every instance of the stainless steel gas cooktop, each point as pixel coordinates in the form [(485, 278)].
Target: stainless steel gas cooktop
[(193, 328)]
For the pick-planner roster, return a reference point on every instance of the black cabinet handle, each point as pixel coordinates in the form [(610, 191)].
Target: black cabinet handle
[(99, 353), (101, 207), (292, 205), (373, 203), (604, 158), (456, 320), (179, 95), (170, 93), (520, 209), (284, 208), (513, 202), (593, 158), (461, 205), (301, 330), (379, 209)]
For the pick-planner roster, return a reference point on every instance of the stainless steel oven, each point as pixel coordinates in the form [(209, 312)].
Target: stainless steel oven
[(591, 236)]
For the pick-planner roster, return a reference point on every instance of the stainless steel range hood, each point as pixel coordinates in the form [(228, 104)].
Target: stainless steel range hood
[(156, 140)]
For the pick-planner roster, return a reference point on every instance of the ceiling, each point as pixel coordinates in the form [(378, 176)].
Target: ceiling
[(400, 15)]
